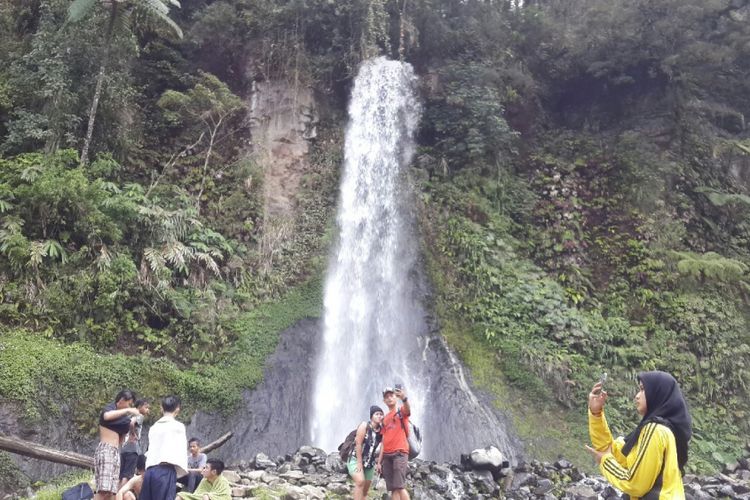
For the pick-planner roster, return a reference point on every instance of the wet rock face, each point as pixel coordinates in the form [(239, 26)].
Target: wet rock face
[(56, 432), (274, 417)]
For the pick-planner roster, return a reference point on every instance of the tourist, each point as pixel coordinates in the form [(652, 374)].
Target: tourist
[(132, 487), (131, 448), (213, 487), (648, 462), (166, 459), (361, 463), (393, 462), (114, 423), (195, 460)]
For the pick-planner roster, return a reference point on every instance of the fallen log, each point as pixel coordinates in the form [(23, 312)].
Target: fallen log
[(215, 444), (34, 450)]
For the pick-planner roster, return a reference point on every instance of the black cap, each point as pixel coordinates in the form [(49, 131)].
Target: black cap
[(374, 409)]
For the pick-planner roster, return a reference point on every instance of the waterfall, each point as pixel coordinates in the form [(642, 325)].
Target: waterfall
[(376, 331), (371, 314)]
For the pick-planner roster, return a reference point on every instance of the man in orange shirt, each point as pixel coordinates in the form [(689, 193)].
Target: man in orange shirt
[(393, 462)]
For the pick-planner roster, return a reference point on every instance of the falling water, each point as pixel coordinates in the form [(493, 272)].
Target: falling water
[(375, 328), (371, 314)]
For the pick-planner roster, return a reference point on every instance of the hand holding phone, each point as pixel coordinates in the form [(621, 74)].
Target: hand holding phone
[(598, 396)]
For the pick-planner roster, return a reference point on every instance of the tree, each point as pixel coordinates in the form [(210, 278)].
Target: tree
[(119, 12), (203, 110)]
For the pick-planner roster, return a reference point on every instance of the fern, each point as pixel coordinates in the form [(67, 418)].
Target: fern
[(720, 199), (155, 260), (54, 250), (710, 266), (36, 254)]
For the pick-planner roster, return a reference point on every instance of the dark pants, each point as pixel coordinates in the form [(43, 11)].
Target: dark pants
[(159, 483), (127, 464), (190, 482)]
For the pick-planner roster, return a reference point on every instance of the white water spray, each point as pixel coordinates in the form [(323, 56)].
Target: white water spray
[(371, 314), (376, 331)]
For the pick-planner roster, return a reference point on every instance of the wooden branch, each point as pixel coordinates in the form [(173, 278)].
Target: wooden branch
[(215, 444), (34, 450)]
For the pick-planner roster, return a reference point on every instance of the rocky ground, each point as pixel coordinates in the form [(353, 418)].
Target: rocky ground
[(312, 474)]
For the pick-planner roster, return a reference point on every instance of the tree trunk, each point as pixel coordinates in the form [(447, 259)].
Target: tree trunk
[(92, 116), (213, 130), (215, 444), (34, 450)]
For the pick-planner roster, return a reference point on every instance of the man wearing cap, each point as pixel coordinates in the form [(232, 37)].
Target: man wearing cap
[(361, 464), (393, 462)]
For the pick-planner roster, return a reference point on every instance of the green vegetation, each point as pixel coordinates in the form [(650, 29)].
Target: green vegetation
[(42, 373), (582, 171)]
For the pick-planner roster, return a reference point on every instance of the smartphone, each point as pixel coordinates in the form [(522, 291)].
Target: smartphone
[(603, 379)]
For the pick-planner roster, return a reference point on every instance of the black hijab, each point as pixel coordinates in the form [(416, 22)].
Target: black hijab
[(665, 405)]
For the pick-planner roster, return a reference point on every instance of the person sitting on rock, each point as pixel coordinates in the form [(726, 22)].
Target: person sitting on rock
[(132, 488), (361, 464), (195, 460), (214, 486), (650, 461)]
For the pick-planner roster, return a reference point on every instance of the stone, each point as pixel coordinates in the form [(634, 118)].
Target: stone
[(239, 492), (563, 464), (522, 479), (741, 489), (489, 457), (581, 492), (294, 475), (437, 483), (543, 487), (726, 490), (484, 482), (253, 475), (731, 467), (261, 461), (231, 476), (314, 493)]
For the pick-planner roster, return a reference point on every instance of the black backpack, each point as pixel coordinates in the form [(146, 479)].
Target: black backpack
[(346, 448), (81, 491)]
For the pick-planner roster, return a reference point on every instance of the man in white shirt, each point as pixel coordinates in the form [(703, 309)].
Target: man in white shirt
[(165, 459)]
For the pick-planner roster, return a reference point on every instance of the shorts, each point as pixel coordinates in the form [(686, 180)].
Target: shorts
[(395, 466), (352, 467), (107, 467), (127, 464)]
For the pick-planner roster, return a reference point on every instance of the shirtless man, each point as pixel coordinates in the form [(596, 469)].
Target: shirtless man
[(114, 425)]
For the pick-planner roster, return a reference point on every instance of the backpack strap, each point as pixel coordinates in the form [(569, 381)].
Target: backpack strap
[(401, 418)]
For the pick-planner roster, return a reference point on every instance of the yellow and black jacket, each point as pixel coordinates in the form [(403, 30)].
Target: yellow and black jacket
[(650, 471)]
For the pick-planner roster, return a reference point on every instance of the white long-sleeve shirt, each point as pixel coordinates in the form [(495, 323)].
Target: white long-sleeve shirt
[(167, 442)]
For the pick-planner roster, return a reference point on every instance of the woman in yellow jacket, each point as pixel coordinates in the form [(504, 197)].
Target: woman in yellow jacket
[(648, 463)]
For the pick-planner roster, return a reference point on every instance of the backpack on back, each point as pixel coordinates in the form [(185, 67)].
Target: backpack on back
[(413, 436), (345, 448)]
